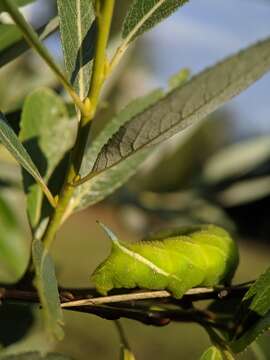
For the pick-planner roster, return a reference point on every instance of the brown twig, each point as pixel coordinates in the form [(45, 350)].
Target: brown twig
[(135, 305), (145, 295), (86, 297)]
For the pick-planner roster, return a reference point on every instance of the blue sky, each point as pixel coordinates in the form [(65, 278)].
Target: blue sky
[(203, 32)]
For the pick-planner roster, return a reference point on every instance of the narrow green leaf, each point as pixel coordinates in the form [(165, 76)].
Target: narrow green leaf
[(32, 38), (102, 185), (127, 354), (15, 45), (259, 293), (36, 356), (260, 326), (9, 34), (78, 40), (212, 353), (245, 191), (18, 3), (49, 28), (47, 288), (10, 140), (47, 133), (237, 159), (258, 351), (145, 14), (14, 247), (187, 105)]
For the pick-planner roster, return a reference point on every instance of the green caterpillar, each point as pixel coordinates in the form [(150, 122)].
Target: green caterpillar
[(176, 260)]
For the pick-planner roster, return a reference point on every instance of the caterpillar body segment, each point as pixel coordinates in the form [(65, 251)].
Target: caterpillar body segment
[(176, 260)]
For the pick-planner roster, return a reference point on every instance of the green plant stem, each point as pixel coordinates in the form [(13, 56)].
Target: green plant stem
[(33, 40), (104, 12), (122, 335), (104, 17)]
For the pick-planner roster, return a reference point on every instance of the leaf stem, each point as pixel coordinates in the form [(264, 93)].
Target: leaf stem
[(104, 11), (122, 335), (33, 40), (124, 344)]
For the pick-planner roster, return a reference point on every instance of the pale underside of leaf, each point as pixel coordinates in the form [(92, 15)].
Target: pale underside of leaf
[(187, 105), (145, 14), (78, 37), (104, 184)]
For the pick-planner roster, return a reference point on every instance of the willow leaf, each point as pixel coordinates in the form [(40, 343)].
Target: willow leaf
[(237, 160), (127, 355), (259, 293), (16, 45), (18, 3), (44, 125), (145, 14), (47, 288), (10, 140), (187, 104), (14, 246), (78, 39), (36, 356), (9, 34), (32, 38), (102, 185), (250, 335), (212, 353)]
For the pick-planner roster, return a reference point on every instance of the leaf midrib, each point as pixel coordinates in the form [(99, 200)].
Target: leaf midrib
[(146, 144)]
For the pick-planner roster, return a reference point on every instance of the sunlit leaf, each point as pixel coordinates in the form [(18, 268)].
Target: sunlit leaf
[(127, 355), (144, 14), (78, 40), (187, 105), (212, 353), (102, 185)]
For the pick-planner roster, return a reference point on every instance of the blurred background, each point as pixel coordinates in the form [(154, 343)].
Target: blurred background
[(215, 172)]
